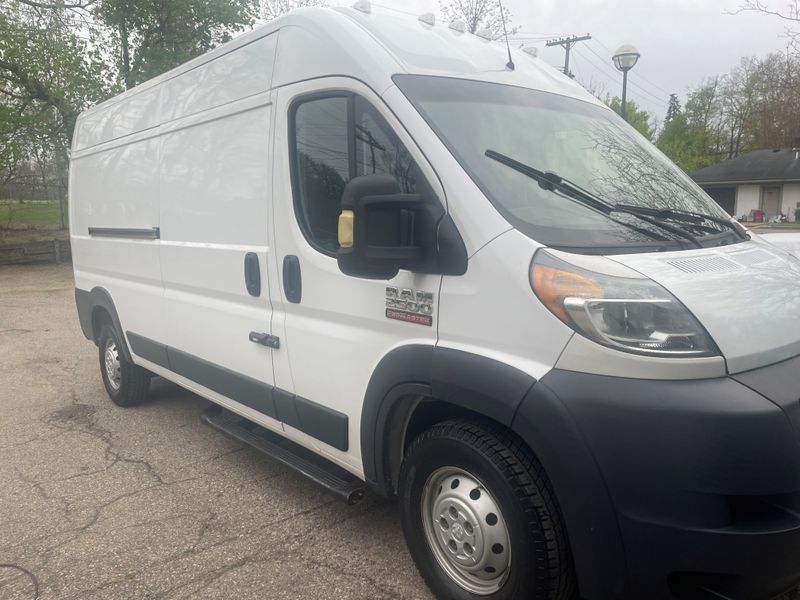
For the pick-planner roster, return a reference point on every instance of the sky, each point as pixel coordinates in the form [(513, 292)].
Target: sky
[(681, 42)]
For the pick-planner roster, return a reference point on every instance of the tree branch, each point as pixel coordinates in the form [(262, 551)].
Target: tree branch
[(76, 5)]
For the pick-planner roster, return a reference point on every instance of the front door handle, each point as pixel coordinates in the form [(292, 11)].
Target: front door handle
[(292, 280)]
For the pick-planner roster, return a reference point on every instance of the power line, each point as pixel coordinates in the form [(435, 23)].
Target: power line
[(580, 74), (639, 75), (651, 97), (545, 33), (567, 43)]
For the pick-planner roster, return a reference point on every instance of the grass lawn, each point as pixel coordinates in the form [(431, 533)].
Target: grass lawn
[(782, 225), (778, 226), (38, 214)]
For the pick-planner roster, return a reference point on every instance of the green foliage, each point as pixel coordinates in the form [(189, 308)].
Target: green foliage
[(57, 57), (754, 106), (673, 110), (48, 75), (147, 38), (47, 72), (684, 144), (639, 119), (39, 214)]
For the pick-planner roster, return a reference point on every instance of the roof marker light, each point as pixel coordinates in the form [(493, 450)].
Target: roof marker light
[(532, 51), (363, 6), (458, 26), (428, 19), (485, 34)]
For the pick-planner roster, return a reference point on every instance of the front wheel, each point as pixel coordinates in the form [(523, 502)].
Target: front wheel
[(480, 517), (127, 384)]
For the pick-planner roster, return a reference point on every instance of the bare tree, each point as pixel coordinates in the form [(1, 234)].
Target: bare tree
[(479, 15), (790, 13), (596, 88), (272, 9)]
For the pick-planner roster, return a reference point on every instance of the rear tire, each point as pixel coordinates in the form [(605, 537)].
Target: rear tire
[(480, 517), (127, 384)]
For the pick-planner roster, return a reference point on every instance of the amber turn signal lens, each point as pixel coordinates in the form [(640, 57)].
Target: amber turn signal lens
[(552, 286), (346, 220)]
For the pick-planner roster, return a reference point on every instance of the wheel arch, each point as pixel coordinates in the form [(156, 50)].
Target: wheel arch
[(92, 306), (417, 385)]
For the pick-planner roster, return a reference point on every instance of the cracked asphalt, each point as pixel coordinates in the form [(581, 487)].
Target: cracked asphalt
[(98, 501)]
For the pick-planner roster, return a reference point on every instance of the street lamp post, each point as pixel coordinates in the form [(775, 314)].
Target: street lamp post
[(624, 60)]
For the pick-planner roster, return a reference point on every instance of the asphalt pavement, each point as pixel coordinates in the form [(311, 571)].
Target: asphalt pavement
[(98, 501), (148, 503)]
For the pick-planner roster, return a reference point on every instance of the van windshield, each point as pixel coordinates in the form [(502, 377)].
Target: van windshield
[(579, 141)]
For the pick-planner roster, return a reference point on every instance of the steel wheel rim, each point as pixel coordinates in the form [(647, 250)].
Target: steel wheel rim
[(466, 531), (112, 367)]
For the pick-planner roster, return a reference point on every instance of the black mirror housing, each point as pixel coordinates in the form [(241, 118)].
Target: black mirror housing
[(382, 230)]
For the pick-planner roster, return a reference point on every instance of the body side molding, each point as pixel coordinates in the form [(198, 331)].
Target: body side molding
[(320, 422)]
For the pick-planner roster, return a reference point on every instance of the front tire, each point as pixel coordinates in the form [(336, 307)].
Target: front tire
[(127, 384), (480, 516)]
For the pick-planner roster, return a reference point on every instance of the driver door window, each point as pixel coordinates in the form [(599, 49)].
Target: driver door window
[(335, 138)]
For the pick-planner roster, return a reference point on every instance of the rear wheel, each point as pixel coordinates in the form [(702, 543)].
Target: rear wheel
[(480, 516), (127, 384)]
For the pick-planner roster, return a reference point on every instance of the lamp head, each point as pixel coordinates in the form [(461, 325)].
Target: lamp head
[(625, 57)]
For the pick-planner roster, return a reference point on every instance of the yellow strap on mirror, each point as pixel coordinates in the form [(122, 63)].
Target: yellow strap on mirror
[(346, 229)]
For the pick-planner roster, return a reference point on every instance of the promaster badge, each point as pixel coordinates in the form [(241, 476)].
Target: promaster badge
[(411, 306)]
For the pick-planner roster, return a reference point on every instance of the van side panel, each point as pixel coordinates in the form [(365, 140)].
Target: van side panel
[(215, 179), (184, 157), (244, 72), (119, 117), (117, 188)]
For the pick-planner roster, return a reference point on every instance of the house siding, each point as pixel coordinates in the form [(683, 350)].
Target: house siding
[(748, 197), (791, 199)]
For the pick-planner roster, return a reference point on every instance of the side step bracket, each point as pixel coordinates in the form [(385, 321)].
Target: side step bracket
[(333, 478)]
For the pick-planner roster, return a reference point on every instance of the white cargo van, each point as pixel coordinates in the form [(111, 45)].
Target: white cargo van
[(396, 262)]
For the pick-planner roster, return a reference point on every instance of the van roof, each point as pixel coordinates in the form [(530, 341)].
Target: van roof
[(370, 46), (442, 50)]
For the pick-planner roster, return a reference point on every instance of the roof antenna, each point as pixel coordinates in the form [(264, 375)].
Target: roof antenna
[(510, 63)]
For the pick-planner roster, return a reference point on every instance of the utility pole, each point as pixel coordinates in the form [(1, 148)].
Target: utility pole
[(568, 43)]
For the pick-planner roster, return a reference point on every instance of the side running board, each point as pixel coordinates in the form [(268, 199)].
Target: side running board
[(331, 477)]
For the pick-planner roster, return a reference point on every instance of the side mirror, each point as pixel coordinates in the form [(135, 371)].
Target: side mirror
[(382, 230)]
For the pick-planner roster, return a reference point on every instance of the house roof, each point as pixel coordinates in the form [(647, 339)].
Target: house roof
[(756, 166)]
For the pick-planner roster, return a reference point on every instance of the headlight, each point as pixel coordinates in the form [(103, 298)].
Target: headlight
[(633, 314)]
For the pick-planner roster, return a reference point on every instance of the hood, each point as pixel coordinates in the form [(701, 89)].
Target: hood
[(788, 241), (747, 296)]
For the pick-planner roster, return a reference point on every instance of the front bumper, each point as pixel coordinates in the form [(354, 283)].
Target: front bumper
[(674, 489)]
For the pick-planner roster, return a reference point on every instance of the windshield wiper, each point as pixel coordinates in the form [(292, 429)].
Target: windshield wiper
[(685, 216), (551, 181)]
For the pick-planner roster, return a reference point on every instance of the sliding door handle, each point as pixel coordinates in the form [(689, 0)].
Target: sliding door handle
[(252, 274)]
